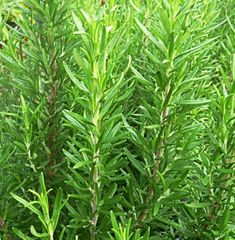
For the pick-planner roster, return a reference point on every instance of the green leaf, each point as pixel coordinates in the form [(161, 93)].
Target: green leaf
[(79, 84), (21, 235), (81, 164), (36, 234), (115, 225), (198, 205), (74, 121), (194, 102), (157, 43), (57, 209), (137, 164), (28, 205)]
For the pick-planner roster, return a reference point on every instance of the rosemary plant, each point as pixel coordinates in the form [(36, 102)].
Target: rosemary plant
[(125, 111)]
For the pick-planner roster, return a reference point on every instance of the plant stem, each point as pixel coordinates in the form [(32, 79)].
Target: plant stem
[(94, 203), (96, 174), (155, 177), (4, 228), (52, 133), (158, 154), (52, 98)]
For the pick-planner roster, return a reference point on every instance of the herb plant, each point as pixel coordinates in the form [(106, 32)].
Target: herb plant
[(117, 119)]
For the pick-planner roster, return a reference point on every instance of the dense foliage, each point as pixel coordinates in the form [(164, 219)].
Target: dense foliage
[(117, 119)]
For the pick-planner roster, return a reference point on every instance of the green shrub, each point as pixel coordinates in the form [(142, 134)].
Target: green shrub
[(125, 111)]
